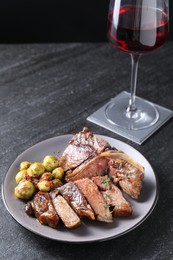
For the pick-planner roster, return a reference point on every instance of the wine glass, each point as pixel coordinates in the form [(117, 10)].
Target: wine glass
[(136, 27)]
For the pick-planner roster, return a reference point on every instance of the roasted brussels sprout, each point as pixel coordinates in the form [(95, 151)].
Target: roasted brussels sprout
[(43, 185), (56, 183), (24, 190), (46, 176), (20, 175), (24, 165), (50, 162), (36, 169), (58, 173)]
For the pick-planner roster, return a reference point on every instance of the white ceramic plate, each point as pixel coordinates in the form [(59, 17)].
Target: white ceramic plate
[(89, 231)]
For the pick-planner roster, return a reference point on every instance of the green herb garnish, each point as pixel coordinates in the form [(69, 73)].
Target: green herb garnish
[(106, 205), (106, 182)]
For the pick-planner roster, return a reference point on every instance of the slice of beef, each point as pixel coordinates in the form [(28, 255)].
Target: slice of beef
[(125, 171), (29, 209), (113, 196), (76, 200), (127, 176), (54, 193), (43, 209), (95, 199), (66, 213), (82, 146), (103, 182), (94, 167)]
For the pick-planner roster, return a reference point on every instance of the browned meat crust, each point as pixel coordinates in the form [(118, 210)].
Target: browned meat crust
[(82, 146), (43, 209), (88, 155), (94, 167), (127, 176), (113, 196), (76, 200), (95, 199)]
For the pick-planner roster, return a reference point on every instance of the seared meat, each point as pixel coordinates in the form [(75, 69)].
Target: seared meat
[(124, 171), (92, 171), (76, 200), (103, 182), (66, 213), (82, 146), (28, 209), (54, 193), (41, 206), (85, 157), (95, 199), (113, 196), (94, 167), (127, 176)]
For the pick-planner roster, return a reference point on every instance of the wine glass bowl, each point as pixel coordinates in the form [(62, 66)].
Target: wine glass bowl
[(139, 27), (136, 27)]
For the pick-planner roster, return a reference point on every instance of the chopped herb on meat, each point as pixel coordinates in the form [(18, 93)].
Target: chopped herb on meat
[(106, 182)]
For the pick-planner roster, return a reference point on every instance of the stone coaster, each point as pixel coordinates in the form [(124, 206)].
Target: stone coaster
[(137, 136)]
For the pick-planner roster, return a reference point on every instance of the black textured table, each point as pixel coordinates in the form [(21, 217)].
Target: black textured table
[(50, 89)]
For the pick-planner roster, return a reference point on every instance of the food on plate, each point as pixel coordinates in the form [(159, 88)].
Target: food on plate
[(36, 169), (92, 167), (46, 182), (113, 196), (82, 146), (124, 170), (37, 175), (24, 165), (43, 185), (95, 199), (66, 213), (58, 173), (50, 162), (24, 190), (89, 180), (20, 175), (76, 199), (41, 206), (56, 183)]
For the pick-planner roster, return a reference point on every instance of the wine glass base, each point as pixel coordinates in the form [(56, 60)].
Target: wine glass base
[(138, 136), (144, 116)]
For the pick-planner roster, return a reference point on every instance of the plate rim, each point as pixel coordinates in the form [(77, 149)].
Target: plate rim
[(155, 200)]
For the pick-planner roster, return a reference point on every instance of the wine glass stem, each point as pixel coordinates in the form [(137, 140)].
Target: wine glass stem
[(134, 63)]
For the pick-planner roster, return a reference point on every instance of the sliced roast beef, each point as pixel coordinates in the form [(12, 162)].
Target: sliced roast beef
[(127, 176), (66, 213), (113, 196), (88, 155), (76, 200), (125, 171), (95, 199), (82, 146), (54, 193), (41, 206), (94, 167), (103, 182)]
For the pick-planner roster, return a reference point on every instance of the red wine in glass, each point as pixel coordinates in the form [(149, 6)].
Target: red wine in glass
[(149, 36), (136, 27)]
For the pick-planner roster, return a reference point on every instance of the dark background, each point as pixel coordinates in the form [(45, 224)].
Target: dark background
[(25, 21)]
